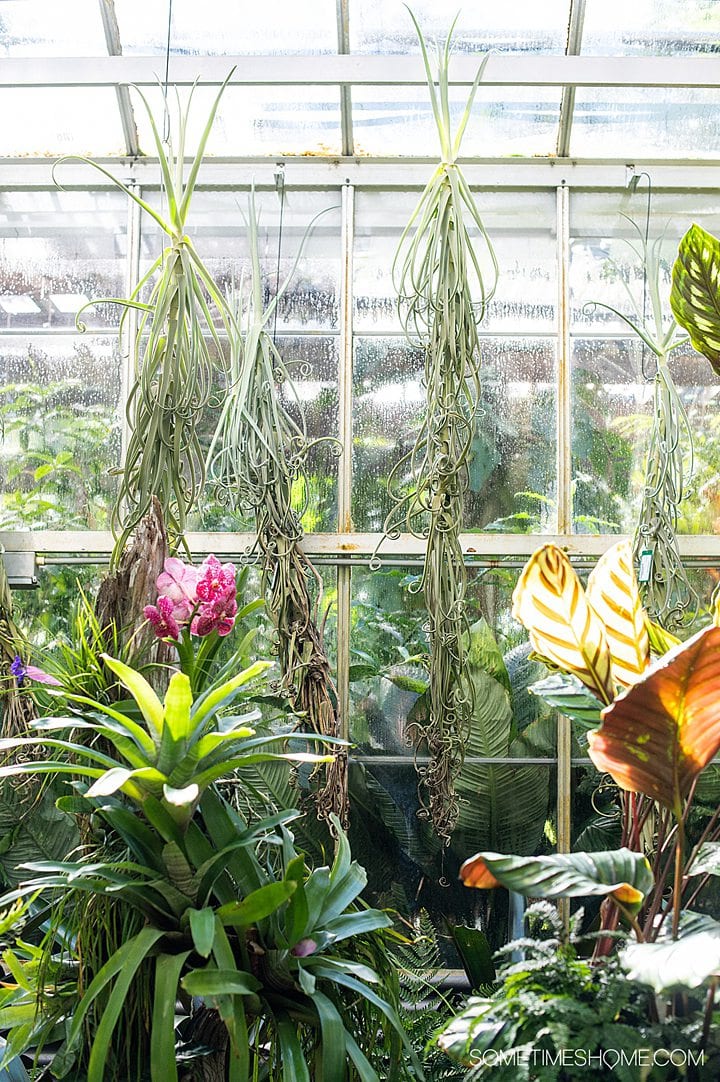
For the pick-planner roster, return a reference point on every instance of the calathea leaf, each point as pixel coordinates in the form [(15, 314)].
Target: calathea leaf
[(550, 602), (658, 735), (685, 962), (695, 294), (612, 591), (623, 874), (568, 695)]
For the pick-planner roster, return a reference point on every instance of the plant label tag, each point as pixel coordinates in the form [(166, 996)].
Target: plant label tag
[(645, 569)]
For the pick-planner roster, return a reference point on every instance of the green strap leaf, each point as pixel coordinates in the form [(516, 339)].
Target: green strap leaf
[(203, 929), (260, 903), (163, 1063)]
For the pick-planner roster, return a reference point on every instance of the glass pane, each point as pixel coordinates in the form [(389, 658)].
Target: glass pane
[(43, 28), (401, 851), (520, 26), (277, 26), (60, 411), (217, 227), (650, 27), (657, 122), (510, 120), (406, 864), (388, 627), (521, 226), (512, 468), (59, 250), (50, 121), (603, 265), (612, 403), (312, 361), (256, 120)]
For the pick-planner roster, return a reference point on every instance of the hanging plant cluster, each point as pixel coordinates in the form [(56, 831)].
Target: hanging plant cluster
[(668, 594), (433, 269), (171, 349), (258, 453)]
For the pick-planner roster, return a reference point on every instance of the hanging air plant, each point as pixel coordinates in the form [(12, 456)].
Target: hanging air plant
[(668, 595), (432, 272), (171, 350), (258, 453)]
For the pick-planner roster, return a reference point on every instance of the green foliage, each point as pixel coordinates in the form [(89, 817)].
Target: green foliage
[(227, 907), (550, 1001), (61, 439)]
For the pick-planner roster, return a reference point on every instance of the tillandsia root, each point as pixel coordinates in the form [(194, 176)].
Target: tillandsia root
[(256, 459), (125, 592), (433, 269), (307, 678), (669, 597)]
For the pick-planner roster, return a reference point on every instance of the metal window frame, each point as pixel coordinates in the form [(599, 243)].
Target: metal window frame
[(347, 549)]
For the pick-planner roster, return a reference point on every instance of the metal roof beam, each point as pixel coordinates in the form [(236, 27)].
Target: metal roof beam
[(346, 118), (114, 48), (328, 70), (567, 105), (390, 174)]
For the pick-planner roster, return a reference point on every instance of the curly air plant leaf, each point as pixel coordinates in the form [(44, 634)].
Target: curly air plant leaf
[(668, 594), (257, 454), (432, 271), (172, 350)]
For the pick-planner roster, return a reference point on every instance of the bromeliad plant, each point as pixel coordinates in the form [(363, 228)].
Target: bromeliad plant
[(258, 453), (228, 910), (433, 270), (171, 348)]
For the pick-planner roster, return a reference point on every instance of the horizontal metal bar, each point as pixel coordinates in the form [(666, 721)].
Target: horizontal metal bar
[(236, 174), (354, 546), (471, 760), (502, 69)]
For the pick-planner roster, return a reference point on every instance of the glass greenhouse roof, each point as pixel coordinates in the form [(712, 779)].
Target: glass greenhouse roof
[(335, 94)]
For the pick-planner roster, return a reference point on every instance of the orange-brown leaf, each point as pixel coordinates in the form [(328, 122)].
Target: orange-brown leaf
[(657, 736), (475, 873)]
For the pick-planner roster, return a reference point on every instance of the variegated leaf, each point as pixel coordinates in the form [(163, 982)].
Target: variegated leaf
[(613, 592), (695, 293), (550, 602)]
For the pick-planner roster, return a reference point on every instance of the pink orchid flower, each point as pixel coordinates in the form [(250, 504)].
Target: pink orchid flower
[(162, 616), (178, 582)]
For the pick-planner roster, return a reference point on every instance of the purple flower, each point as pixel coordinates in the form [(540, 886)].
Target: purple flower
[(23, 672)]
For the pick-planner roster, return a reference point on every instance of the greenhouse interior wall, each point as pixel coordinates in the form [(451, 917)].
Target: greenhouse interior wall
[(596, 126)]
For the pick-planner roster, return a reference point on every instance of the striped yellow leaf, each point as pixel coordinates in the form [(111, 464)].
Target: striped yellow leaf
[(550, 602), (613, 592)]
